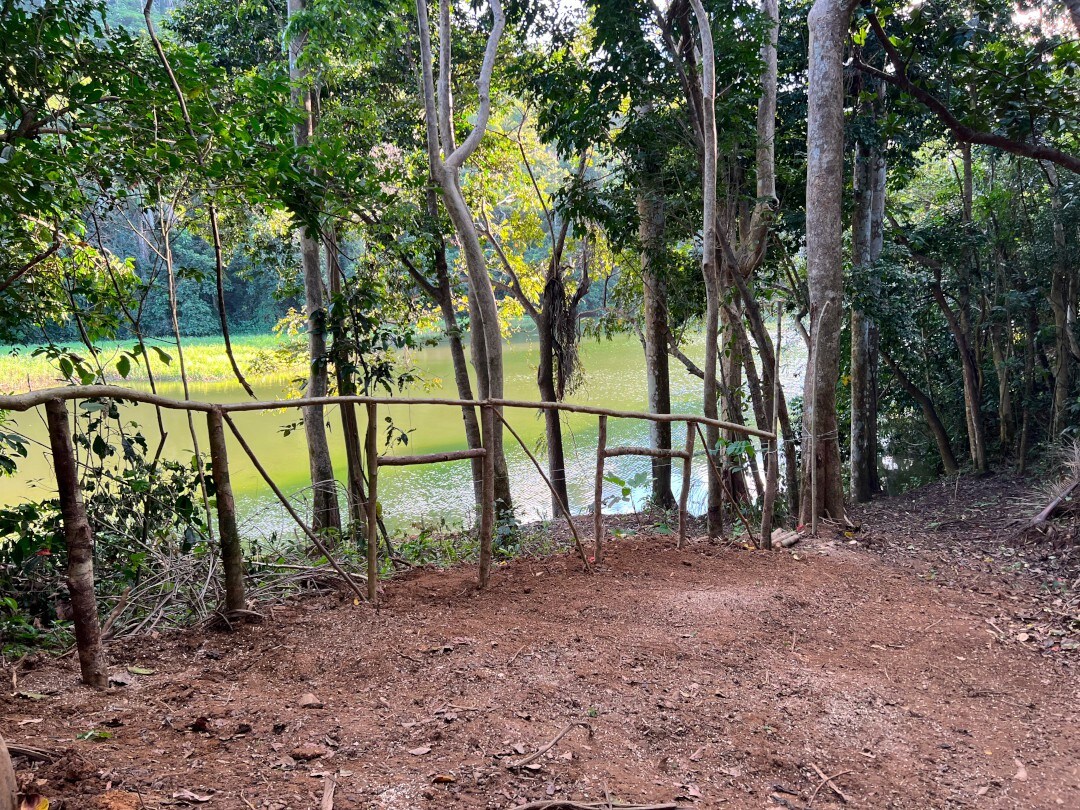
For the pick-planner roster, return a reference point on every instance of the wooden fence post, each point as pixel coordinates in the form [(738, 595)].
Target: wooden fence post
[(684, 492), (232, 557), (598, 492), (80, 549), (487, 499), (372, 448)]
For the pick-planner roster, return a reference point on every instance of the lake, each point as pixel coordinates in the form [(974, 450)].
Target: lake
[(614, 376)]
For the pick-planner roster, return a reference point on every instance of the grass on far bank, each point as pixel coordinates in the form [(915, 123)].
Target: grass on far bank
[(257, 356)]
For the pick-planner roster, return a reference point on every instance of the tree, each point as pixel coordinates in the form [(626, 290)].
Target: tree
[(325, 510), (544, 264), (823, 490), (446, 158)]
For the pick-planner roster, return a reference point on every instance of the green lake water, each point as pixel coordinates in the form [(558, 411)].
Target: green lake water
[(614, 376)]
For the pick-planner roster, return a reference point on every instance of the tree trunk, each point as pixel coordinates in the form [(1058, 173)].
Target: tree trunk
[(444, 296), (972, 388), (709, 269), (8, 786), (445, 159), (232, 560), (828, 23), (545, 378), (861, 457), (325, 511), (650, 205), (999, 347), (933, 421), (79, 540), (877, 243), (346, 385), (1029, 388), (1060, 300)]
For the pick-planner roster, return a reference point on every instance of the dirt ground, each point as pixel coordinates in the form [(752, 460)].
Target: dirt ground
[(928, 661)]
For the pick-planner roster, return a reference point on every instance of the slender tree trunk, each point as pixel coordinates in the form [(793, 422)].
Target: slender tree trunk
[(861, 459), (325, 510), (828, 23), (79, 540), (445, 159), (999, 347), (650, 205), (1060, 301), (1029, 388), (933, 421), (346, 385), (442, 291), (877, 243), (545, 379), (972, 388), (709, 268), (232, 559)]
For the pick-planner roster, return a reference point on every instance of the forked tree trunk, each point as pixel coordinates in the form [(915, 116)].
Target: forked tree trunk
[(650, 205), (79, 540), (325, 510), (822, 483), (445, 159)]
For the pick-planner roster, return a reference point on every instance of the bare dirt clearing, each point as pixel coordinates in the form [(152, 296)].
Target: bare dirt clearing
[(711, 676)]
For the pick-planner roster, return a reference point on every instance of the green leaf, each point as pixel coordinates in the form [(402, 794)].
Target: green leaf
[(123, 366)]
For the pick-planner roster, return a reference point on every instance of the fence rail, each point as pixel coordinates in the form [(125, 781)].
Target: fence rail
[(80, 566)]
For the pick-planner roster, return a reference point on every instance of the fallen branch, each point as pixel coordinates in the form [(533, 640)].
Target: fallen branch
[(329, 786), (513, 766), (559, 804), (29, 752), (827, 780), (1053, 507)]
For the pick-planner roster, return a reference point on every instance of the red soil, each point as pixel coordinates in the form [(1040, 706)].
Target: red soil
[(712, 676)]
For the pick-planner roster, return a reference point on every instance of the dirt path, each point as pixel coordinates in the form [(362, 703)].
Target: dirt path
[(717, 677)]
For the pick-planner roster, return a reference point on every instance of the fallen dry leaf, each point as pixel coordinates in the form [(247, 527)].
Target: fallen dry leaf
[(192, 797)]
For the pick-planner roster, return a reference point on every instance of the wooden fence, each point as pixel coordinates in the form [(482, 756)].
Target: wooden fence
[(79, 539)]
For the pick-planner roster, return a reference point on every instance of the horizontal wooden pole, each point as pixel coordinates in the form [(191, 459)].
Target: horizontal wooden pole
[(644, 451), (431, 458), (33, 399)]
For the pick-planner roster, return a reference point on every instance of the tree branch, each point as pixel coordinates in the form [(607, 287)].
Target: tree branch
[(960, 131)]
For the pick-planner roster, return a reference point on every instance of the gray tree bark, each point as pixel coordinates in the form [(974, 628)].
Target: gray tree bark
[(650, 205), (326, 513), (822, 484), (861, 457), (445, 160)]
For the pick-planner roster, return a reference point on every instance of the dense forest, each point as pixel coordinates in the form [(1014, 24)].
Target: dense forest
[(887, 193), (174, 172)]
